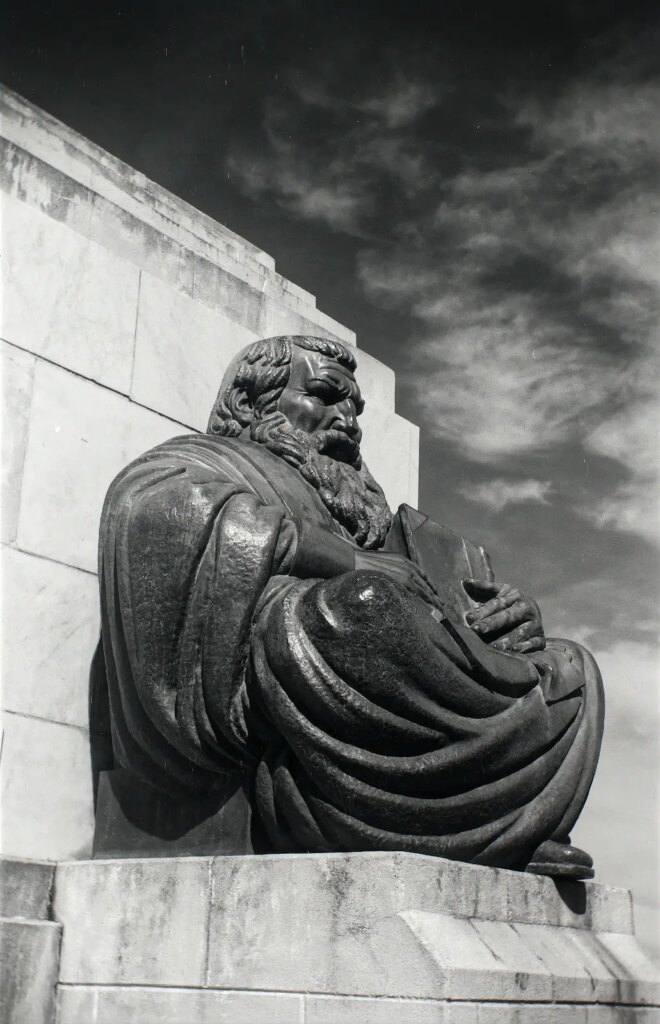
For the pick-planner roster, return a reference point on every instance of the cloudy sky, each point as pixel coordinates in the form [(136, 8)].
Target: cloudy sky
[(475, 189)]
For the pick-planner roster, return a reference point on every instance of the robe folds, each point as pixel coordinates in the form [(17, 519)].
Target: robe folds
[(360, 721)]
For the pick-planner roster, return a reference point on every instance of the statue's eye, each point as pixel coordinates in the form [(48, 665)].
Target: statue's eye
[(325, 392)]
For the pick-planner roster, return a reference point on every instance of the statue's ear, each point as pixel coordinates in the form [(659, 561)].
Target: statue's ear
[(240, 406)]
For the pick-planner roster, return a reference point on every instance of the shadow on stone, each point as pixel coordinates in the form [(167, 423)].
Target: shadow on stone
[(573, 895), (100, 738), (136, 819)]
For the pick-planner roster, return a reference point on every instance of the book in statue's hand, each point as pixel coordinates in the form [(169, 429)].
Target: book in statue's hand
[(447, 558)]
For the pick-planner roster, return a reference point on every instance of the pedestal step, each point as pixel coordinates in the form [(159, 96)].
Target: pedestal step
[(29, 942), (379, 937)]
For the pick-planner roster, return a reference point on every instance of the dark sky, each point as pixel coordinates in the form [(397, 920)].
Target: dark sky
[(468, 186)]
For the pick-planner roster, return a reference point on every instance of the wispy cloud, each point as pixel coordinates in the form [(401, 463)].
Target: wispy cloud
[(632, 437), (499, 493), (329, 155), (529, 267), (402, 102), (539, 317)]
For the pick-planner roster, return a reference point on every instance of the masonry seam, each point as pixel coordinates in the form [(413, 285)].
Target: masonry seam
[(135, 331)]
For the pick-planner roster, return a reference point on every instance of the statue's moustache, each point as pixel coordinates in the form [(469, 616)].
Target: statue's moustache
[(338, 445)]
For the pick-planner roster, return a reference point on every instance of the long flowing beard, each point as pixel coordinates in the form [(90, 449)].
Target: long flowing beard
[(346, 488)]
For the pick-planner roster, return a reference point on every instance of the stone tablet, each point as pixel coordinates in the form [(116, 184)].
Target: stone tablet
[(447, 558)]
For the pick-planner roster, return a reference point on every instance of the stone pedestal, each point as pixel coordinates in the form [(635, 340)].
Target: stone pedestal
[(326, 939), (29, 943)]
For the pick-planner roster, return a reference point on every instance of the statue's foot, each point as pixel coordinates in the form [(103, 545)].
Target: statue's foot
[(561, 860)]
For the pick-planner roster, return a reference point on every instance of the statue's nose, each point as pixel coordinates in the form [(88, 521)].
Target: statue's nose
[(346, 420)]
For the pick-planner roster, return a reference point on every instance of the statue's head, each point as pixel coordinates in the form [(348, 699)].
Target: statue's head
[(298, 396)]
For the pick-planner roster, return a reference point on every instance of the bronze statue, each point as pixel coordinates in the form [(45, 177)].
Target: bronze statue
[(277, 681)]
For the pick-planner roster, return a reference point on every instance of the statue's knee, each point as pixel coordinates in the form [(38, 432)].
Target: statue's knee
[(362, 595)]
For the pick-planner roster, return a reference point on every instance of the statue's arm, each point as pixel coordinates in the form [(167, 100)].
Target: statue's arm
[(324, 555), (321, 554)]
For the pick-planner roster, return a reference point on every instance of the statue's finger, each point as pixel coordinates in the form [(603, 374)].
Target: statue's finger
[(525, 631), (495, 604), (536, 643), (501, 620), (519, 635)]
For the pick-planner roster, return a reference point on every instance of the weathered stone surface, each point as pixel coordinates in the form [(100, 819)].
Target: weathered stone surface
[(136, 922), (376, 381), (363, 1010), (28, 970), (182, 349), (389, 444), (402, 924), (638, 977), (78, 207), (392, 882), (46, 797), (58, 146), (66, 298), (81, 185), (25, 888), (277, 318), (80, 437), (362, 937), (469, 964), (17, 378), (140, 1005), (115, 1005), (617, 1015), (50, 630), (227, 294), (346, 1010)]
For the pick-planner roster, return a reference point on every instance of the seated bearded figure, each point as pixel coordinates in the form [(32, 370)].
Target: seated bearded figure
[(277, 682)]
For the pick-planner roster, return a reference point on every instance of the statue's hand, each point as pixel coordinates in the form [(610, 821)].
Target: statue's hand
[(508, 620), (401, 569)]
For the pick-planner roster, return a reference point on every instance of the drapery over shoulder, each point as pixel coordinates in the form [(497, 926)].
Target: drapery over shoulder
[(191, 535), (361, 722)]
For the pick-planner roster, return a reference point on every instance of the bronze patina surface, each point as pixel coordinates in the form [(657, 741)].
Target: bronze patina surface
[(276, 681)]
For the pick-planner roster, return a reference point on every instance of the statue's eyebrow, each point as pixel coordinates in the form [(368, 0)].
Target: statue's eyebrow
[(342, 384)]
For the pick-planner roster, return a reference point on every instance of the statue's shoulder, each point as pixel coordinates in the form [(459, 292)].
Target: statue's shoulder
[(203, 450), (209, 456), (194, 459)]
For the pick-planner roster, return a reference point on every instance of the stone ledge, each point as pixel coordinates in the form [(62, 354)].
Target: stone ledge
[(44, 136), (375, 924), (78, 1004), (29, 953), (226, 282), (26, 888), (77, 178)]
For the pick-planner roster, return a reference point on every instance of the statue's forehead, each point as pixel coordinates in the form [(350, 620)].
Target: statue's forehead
[(307, 364)]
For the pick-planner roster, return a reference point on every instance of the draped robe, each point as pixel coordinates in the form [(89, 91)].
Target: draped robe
[(357, 720)]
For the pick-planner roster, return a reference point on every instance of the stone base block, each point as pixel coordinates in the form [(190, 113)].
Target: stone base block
[(26, 888), (29, 942), (108, 1005), (29, 953), (323, 939)]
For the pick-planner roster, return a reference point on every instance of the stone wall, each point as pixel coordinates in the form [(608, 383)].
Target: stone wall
[(121, 308)]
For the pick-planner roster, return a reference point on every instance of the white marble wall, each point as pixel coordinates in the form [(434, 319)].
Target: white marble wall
[(121, 308)]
